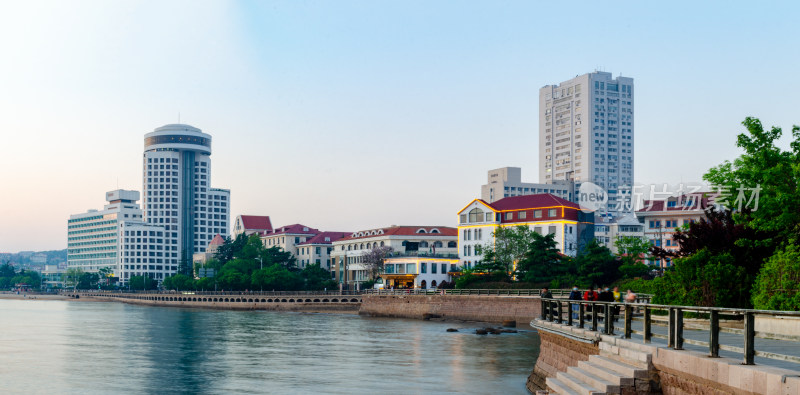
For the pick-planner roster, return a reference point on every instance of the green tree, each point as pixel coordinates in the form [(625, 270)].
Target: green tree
[(72, 276), (632, 253), (703, 279), (509, 246), (179, 282), (316, 278), (542, 261), (139, 283), (276, 278), (596, 265), (777, 286)]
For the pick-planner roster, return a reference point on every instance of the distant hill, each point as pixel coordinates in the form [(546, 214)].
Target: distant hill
[(34, 258)]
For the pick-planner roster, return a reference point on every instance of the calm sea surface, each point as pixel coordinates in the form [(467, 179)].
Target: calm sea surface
[(67, 347)]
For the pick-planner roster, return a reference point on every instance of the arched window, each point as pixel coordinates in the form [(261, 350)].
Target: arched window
[(381, 244), (404, 243), (434, 230), (433, 283), (476, 215), (348, 247), (362, 246), (423, 284), (451, 244), (423, 244), (420, 230), (437, 244), (368, 246)]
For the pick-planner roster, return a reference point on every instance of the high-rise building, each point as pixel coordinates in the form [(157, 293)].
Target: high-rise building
[(586, 134), (178, 194), (92, 237), (507, 181)]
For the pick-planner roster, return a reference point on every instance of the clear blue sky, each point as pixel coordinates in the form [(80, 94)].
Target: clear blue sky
[(351, 115)]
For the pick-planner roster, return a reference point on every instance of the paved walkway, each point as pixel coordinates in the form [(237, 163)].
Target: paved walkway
[(730, 339)]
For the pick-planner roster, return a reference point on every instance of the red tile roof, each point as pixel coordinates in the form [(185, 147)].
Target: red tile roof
[(405, 231), (216, 241), (531, 201), (320, 238), (292, 229), (256, 222), (705, 199)]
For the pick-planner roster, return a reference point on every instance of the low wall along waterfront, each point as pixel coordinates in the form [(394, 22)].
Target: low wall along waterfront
[(494, 309)]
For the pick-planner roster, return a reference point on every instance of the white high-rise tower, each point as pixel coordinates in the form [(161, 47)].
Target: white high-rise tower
[(586, 133), (177, 192)]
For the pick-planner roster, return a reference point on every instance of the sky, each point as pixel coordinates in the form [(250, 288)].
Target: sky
[(352, 115)]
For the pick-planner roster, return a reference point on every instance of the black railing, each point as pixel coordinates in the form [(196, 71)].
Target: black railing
[(190, 292), (553, 310)]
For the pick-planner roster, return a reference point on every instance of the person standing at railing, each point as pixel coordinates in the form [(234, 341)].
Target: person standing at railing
[(590, 296), (575, 294), (630, 297), (546, 294)]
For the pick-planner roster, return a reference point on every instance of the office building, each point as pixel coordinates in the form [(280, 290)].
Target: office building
[(507, 181), (586, 133), (92, 237), (177, 192)]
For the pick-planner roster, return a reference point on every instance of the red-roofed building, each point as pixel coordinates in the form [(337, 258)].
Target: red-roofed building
[(545, 213), (317, 249), (288, 237), (421, 256), (661, 216), (249, 224)]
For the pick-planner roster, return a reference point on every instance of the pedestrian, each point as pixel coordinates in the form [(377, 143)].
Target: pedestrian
[(575, 295), (590, 296), (630, 297), (546, 294), (605, 295), (617, 295)]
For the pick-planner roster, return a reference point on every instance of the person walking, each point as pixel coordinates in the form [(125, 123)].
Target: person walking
[(590, 296), (546, 294)]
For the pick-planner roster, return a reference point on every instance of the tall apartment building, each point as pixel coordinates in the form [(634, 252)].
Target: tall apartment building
[(178, 194), (507, 181), (586, 133), (92, 237)]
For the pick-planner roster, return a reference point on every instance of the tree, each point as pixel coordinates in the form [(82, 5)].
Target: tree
[(509, 246), (706, 279), (179, 282), (316, 278), (542, 261), (276, 278), (777, 286), (373, 260), (632, 252), (139, 283), (596, 265), (71, 276)]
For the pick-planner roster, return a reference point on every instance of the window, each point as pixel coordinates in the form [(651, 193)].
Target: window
[(475, 215), (489, 216), (444, 268), (509, 216), (433, 268), (463, 218), (537, 213), (551, 212), (423, 267), (551, 229), (522, 214)]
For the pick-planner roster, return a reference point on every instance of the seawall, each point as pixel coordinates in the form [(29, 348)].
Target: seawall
[(494, 309)]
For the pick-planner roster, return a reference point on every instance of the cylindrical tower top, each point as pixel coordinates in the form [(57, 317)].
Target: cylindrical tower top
[(178, 137)]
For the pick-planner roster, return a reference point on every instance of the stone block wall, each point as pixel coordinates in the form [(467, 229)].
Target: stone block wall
[(556, 353), (495, 309)]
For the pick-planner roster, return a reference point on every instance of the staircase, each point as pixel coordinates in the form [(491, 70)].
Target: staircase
[(614, 371)]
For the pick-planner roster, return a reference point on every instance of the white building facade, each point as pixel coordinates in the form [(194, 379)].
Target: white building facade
[(177, 193), (586, 133), (507, 181), (92, 237)]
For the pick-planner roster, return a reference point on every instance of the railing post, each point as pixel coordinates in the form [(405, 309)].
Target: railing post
[(671, 328), (569, 313), (594, 317), (713, 341), (607, 326), (559, 320), (581, 313), (544, 310), (749, 338), (679, 329), (550, 310), (647, 328), (628, 321)]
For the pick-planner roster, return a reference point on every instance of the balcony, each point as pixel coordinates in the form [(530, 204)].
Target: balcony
[(422, 254)]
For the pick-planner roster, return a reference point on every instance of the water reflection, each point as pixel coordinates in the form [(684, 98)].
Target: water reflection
[(117, 348)]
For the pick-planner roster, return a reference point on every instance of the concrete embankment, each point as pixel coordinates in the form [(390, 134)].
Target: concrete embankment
[(299, 303), (496, 309)]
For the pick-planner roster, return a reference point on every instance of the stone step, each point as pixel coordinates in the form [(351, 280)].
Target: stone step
[(607, 374), (622, 359), (642, 357), (594, 381), (620, 367), (555, 386), (577, 385)]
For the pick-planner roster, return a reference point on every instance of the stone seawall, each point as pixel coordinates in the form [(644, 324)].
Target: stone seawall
[(345, 305), (495, 309), (556, 353)]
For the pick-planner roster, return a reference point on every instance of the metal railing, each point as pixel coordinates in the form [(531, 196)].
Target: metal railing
[(499, 292), (233, 293), (553, 310)]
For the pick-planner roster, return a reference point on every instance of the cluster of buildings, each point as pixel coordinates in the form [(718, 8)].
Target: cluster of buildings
[(585, 136)]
